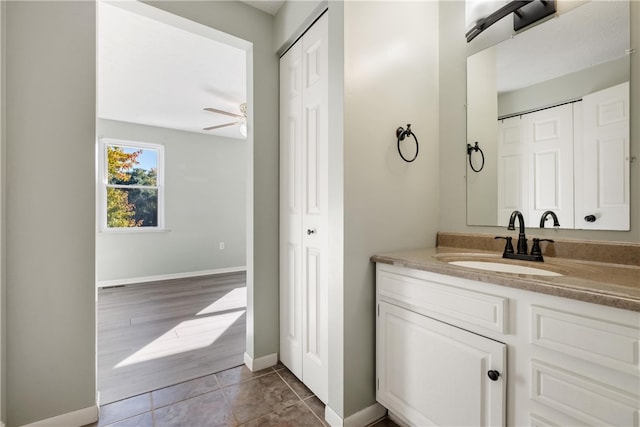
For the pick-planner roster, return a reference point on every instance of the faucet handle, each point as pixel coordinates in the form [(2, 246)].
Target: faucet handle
[(508, 247), (535, 250)]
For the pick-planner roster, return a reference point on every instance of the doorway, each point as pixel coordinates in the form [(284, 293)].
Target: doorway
[(171, 285)]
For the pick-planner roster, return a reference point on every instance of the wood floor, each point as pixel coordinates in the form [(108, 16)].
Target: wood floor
[(157, 334)]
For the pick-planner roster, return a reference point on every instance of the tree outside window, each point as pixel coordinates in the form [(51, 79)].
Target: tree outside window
[(132, 183)]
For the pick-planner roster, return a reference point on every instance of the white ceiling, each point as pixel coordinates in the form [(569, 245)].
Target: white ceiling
[(591, 34), (157, 74)]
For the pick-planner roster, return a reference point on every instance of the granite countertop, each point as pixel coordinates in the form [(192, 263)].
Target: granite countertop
[(615, 285)]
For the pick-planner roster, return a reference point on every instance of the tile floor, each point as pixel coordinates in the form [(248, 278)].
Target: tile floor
[(235, 397)]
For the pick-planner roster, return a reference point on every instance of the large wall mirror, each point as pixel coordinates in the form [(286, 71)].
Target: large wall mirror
[(549, 108)]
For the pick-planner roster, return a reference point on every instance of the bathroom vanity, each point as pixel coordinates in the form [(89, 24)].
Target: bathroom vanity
[(462, 346)]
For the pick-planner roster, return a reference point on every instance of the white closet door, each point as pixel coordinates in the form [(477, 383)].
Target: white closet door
[(315, 98), (304, 208), (550, 158), (605, 161), (291, 251), (512, 168)]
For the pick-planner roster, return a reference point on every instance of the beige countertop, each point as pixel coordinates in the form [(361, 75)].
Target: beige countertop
[(615, 285)]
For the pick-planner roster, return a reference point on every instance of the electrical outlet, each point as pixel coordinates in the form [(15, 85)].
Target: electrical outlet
[(221, 246)]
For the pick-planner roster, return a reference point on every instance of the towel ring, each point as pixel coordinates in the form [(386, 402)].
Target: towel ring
[(401, 133), (471, 148)]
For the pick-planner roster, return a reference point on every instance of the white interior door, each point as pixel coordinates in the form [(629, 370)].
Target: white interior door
[(315, 94), (549, 136), (512, 168), (605, 161), (291, 251), (304, 208), (436, 374)]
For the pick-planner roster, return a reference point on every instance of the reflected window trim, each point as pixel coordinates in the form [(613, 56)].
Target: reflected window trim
[(103, 184)]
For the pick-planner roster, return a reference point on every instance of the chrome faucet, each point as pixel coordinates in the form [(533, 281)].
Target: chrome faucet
[(522, 238), (543, 219)]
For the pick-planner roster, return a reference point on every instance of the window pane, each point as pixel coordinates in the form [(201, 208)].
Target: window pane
[(132, 166), (132, 207)]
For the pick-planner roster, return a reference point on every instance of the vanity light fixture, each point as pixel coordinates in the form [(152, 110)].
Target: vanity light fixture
[(526, 12)]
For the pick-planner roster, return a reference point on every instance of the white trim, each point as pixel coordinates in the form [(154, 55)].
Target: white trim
[(143, 279), (360, 419), (332, 417), (261, 362), (366, 416), (77, 418)]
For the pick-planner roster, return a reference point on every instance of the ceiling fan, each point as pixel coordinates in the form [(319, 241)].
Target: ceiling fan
[(242, 118)]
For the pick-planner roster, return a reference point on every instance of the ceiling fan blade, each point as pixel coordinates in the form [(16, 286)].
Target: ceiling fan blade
[(226, 113), (221, 126)]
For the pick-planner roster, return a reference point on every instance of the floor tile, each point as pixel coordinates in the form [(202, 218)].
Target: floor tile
[(252, 399), (239, 374), (316, 406), (124, 409), (188, 389), (278, 366), (142, 420), (298, 387), (207, 410), (385, 422), (297, 415)]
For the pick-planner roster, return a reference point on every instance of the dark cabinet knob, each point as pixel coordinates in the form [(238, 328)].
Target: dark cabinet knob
[(493, 375), (590, 218), (311, 231)]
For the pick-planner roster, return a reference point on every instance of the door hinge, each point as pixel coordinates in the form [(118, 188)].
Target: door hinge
[(378, 310), (378, 383)]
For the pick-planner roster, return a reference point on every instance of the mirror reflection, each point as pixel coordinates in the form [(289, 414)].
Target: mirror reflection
[(549, 111)]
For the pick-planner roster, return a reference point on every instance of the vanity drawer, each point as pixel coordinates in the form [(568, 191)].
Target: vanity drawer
[(439, 297), (604, 342)]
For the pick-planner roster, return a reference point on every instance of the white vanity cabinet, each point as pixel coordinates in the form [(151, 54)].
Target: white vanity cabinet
[(436, 373), (560, 361)]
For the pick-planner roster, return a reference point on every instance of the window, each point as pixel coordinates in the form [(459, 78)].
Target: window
[(131, 190)]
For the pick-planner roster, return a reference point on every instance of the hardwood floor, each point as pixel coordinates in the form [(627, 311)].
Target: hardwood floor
[(157, 334)]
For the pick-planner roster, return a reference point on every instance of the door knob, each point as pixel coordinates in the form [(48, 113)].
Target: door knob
[(311, 231), (590, 218), (493, 375)]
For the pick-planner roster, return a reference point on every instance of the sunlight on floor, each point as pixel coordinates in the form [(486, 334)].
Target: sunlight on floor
[(194, 334), (235, 299)]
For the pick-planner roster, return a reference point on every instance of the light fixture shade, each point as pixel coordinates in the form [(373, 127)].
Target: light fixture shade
[(475, 10), (243, 129)]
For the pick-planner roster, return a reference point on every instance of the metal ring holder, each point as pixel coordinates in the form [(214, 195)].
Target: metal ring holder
[(471, 148), (401, 133)]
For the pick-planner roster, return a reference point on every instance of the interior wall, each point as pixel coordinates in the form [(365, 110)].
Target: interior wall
[(205, 204), (50, 208), (292, 19), (245, 22), (391, 79), (3, 269), (452, 124)]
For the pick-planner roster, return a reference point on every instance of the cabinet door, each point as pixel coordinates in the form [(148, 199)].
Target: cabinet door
[(434, 374)]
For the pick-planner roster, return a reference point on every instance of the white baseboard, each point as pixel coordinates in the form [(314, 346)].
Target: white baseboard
[(332, 418), (77, 418), (360, 419), (129, 281), (261, 362)]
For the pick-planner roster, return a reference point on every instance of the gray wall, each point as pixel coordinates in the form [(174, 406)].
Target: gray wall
[(50, 127), (205, 203), (453, 53), (50, 189), (391, 79)]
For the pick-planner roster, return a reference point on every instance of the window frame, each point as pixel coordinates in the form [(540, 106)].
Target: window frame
[(103, 184)]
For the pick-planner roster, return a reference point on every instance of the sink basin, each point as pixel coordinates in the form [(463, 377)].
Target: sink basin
[(504, 268)]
